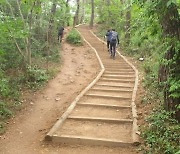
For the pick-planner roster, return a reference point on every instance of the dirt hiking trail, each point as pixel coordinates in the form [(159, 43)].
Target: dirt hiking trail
[(102, 118)]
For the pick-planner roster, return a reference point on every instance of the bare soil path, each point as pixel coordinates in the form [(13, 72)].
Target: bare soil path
[(27, 131)]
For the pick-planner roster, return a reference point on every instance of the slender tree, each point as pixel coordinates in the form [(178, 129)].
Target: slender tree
[(51, 20), (128, 22), (83, 11), (92, 14), (76, 17), (67, 12)]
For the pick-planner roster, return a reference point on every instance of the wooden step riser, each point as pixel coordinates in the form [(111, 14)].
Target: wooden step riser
[(119, 73), (115, 84), (107, 101), (102, 112), (118, 67), (88, 141), (100, 119), (118, 76), (117, 80), (107, 96), (109, 85), (111, 90), (110, 93), (104, 105), (116, 64), (120, 70)]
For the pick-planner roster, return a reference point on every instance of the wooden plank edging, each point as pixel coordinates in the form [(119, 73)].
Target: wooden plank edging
[(135, 135)]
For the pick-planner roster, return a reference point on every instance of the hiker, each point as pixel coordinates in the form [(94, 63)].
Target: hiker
[(60, 34), (113, 42), (108, 37)]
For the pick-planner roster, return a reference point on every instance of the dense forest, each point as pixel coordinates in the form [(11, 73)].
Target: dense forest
[(148, 29)]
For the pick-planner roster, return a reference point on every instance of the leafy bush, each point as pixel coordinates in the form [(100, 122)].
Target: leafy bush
[(8, 87), (4, 111), (55, 54), (36, 77), (4, 87), (162, 133), (74, 37)]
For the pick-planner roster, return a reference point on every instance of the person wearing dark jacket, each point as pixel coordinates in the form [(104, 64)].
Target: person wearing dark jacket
[(108, 38), (60, 33), (113, 42)]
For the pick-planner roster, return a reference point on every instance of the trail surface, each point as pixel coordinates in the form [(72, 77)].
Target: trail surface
[(104, 112)]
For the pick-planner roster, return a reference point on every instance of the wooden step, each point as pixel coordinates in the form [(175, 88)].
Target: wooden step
[(118, 67), (107, 96), (104, 105), (119, 72), (108, 112), (104, 100), (110, 89), (96, 129), (118, 76), (117, 80), (72, 139), (113, 84), (101, 119), (111, 93)]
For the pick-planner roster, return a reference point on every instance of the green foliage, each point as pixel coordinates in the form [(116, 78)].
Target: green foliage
[(162, 133), (35, 77), (4, 111), (174, 80), (7, 87), (175, 87), (55, 54), (149, 40), (4, 87), (74, 38)]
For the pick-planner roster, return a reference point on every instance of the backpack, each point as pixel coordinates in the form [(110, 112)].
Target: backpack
[(108, 36), (61, 29), (114, 36)]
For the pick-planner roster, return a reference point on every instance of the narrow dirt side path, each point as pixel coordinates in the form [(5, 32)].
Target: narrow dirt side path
[(25, 133)]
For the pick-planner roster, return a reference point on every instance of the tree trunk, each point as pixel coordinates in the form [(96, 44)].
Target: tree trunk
[(38, 23), (67, 13), (30, 17), (76, 17), (109, 12), (51, 21), (26, 41), (92, 14), (128, 23), (83, 11)]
